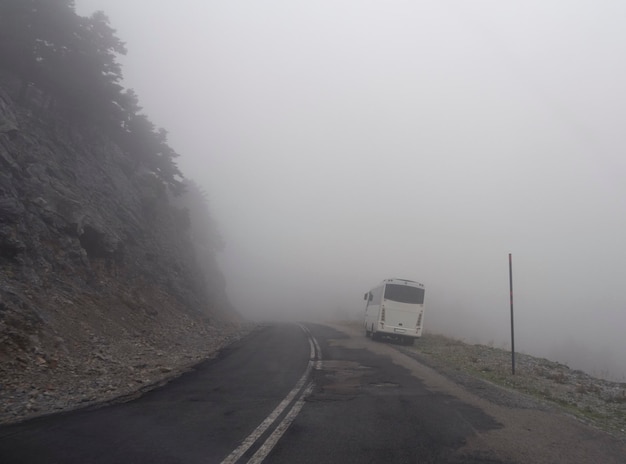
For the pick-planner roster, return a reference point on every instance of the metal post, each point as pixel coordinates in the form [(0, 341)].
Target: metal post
[(512, 329)]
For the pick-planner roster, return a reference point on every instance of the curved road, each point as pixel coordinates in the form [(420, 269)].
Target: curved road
[(307, 394)]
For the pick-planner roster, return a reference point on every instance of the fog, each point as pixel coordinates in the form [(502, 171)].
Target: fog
[(346, 142)]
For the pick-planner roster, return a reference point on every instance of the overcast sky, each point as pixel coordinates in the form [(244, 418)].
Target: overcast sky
[(343, 142)]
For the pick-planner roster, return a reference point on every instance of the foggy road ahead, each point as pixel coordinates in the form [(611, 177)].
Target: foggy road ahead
[(305, 394)]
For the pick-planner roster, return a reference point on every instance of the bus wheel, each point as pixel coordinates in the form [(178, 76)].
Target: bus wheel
[(409, 341), (375, 335), (367, 332)]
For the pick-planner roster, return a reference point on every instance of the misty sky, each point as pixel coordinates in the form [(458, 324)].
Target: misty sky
[(346, 142)]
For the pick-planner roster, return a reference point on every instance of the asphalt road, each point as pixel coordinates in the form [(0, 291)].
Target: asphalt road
[(367, 409), (285, 394), (198, 418)]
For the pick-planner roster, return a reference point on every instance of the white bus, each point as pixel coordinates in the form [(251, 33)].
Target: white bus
[(395, 308)]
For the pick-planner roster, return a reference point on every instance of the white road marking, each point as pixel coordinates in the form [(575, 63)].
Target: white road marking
[(269, 420), (318, 363), (280, 429), (318, 350)]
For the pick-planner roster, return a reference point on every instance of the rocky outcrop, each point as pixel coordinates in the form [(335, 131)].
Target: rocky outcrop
[(100, 288)]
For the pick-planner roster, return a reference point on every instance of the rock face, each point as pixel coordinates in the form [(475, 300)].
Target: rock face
[(100, 288)]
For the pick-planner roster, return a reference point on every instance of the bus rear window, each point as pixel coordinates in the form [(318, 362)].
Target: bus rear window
[(404, 294)]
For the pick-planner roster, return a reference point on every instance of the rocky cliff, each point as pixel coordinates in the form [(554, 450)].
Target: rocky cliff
[(101, 291)]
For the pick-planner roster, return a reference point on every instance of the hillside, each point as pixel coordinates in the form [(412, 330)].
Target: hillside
[(101, 289)]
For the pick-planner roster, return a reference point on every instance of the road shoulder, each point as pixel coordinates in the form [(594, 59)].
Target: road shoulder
[(531, 432)]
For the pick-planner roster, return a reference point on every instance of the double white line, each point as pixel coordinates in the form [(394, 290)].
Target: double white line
[(299, 390)]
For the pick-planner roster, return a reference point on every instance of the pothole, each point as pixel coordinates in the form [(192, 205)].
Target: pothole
[(342, 377), (385, 384), (331, 365)]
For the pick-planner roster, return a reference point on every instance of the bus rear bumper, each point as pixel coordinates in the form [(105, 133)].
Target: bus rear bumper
[(398, 332)]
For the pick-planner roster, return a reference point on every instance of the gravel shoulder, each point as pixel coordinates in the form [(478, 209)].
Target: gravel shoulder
[(537, 423), (545, 384), (102, 372)]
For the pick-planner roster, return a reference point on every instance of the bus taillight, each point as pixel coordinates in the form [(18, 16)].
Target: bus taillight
[(382, 314)]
